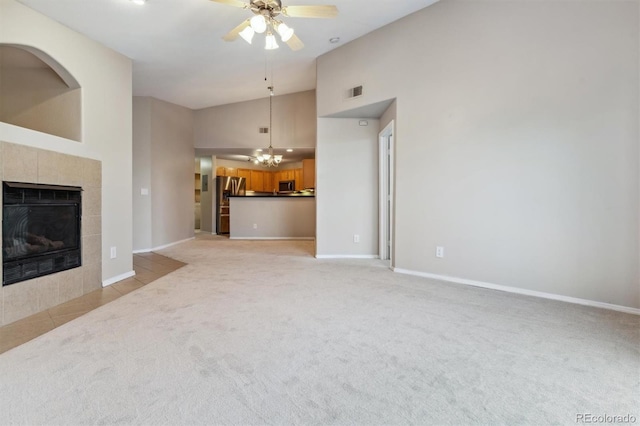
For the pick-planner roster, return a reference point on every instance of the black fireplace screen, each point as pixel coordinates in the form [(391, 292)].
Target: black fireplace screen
[(40, 230)]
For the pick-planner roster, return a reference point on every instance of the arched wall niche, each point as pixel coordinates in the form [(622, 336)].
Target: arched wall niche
[(38, 93)]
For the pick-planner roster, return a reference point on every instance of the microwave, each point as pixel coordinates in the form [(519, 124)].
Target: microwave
[(287, 186)]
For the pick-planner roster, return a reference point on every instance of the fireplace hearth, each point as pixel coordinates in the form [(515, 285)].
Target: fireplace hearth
[(40, 230)]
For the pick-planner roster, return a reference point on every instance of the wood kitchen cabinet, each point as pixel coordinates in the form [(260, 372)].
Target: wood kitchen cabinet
[(268, 179), (246, 174), (277, 177), (257, 180), (287, 174), (309, 173), (297, 175), (226, 171)]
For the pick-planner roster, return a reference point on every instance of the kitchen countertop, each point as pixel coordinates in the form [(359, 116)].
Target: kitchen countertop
[(270, 195)]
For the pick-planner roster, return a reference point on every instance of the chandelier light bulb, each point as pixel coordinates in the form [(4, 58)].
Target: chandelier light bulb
[(285, 31), (270, 42), (259, 24), (247, 34)]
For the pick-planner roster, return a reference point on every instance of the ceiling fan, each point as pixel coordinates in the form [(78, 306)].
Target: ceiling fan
[(265, 19)]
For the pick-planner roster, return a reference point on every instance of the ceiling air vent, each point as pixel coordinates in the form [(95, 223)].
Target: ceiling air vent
[(263, 130), (354, 92)]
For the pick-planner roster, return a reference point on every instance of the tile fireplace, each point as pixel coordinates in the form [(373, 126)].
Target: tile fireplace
[(42, 177)]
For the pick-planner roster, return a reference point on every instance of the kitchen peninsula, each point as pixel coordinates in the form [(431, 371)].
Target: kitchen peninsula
[(268, 216)]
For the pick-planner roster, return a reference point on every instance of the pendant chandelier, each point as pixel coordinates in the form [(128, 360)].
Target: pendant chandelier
[(269, 159)]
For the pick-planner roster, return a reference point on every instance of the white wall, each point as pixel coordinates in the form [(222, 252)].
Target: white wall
[(516, 144), (347, 187), (105, 78), (141, 173), (236, 125), (172, 157), (169, 170)]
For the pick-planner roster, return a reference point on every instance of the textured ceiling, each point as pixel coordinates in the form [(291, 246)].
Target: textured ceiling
[(179, 56)]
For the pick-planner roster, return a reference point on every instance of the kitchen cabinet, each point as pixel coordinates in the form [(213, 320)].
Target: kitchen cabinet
[(286, 174), (257, 180), (226, 171), (268, 181), (277, 177), (246, 174), (297, 175), (309, 173)]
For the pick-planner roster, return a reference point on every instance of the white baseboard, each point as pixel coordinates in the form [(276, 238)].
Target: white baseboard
[(163, 246), (347, 256), (117, 278), (522, 291), (273, 238)]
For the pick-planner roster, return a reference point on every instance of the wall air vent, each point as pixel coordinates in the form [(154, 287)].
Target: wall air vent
[(263, 130), (354, 92)]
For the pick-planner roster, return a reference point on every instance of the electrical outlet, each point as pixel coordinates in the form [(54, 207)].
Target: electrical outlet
[(439, 251), (356, 238), (113, 252), (255, 226)]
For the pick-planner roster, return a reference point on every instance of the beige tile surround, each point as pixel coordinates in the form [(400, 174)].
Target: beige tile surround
[(29, 297)]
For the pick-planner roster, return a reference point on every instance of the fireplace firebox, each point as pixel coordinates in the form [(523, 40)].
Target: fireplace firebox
[(40, 230)]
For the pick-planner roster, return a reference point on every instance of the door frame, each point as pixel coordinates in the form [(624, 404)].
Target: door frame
[(386, 173)]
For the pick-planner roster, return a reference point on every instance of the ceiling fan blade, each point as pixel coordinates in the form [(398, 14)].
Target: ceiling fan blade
[(310, 11), (233, 34), (236, 3), (295, 43)]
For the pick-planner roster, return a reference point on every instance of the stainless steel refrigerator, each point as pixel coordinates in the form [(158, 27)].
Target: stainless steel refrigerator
[(226, 186)]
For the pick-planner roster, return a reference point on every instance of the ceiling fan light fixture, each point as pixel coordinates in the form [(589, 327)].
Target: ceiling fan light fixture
[(247, 34), (270, 42), (259, 24), (285, 31)]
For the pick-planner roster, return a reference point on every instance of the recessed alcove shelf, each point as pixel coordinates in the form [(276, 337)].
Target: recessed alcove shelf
[(38, 93)]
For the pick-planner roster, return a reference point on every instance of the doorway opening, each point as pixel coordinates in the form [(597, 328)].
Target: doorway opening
[(386, 150)]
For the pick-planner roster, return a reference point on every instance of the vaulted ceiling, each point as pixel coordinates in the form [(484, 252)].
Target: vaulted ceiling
[(179, 55)]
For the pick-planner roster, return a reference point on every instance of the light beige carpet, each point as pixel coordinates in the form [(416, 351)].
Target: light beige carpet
[(259, 333)]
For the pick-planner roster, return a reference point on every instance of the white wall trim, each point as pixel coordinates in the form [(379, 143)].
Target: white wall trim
[(516, 290), (118, 278), (347, 256), (273, 238), (163, 246)]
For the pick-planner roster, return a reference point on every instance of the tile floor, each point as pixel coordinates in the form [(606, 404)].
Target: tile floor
[(148, 267)]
